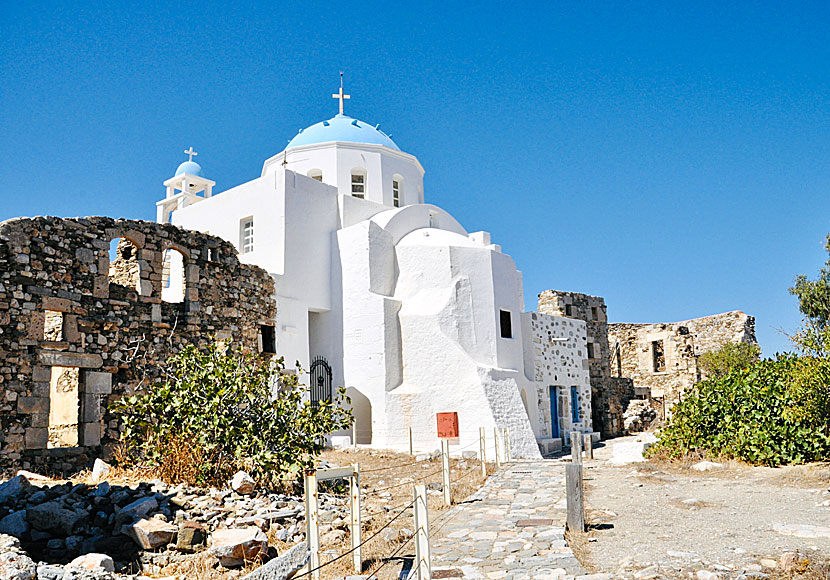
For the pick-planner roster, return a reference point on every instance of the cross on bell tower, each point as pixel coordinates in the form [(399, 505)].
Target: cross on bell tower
[(190, 152), (339, 95)]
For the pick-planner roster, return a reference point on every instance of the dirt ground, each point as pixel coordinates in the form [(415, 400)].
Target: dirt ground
[(648, 514)]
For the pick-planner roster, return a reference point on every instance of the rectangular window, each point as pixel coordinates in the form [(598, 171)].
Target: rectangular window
[(53, 325), (594, 313), (568, 310), (505, 324), (658, 356), (590, 350), (246, 235), (64, 407), (574, 405), (269, 339), (358, 185), (396, 193)]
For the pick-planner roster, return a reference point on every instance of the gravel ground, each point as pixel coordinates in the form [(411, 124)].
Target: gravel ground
[(680, 519)]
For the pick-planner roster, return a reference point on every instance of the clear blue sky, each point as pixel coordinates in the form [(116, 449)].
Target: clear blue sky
[(672, 160)]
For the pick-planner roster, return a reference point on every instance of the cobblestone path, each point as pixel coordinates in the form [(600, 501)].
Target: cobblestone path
[(493, 534)]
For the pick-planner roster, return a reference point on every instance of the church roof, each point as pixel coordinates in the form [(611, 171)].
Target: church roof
[(342, 128)]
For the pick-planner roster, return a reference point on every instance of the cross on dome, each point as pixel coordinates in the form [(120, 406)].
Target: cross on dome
[(340, 95), (191, 152)]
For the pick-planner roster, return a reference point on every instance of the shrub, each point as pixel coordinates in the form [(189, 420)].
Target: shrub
[(768, 413), (731, 356), (216, 413)]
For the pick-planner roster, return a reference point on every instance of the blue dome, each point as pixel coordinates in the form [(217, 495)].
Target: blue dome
[(191, 168), (342, 128)]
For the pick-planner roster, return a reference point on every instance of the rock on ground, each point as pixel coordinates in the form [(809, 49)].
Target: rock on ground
[(233, 547), (284, 566), (100, 469), (152, 533), (93, 562), (243, 483)]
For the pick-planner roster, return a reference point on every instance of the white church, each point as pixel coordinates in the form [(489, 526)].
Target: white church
[(390, 297)]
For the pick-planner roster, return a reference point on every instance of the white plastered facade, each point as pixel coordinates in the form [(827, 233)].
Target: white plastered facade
[(406, 306)]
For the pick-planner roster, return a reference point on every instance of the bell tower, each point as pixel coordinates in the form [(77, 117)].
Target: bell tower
[(184, 188)]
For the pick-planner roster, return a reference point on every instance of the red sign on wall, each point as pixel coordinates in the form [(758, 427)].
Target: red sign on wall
[(447, 425)]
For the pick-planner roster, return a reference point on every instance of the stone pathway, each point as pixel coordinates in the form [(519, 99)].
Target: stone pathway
[(511, 529)]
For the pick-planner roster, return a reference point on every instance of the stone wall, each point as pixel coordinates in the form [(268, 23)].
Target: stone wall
[(559, 364), (661, 359), (67, 328), (609, 398)]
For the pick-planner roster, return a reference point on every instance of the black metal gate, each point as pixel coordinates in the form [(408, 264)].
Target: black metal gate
[(320, 379)]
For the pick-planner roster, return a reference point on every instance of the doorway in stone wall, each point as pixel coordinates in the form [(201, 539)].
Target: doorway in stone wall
[(64, 407), (554, 412)]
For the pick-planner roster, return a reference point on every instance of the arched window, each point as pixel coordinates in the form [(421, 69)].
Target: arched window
[(397, 190), (358, 183), (316, 174), (125, 267), (173, 284)]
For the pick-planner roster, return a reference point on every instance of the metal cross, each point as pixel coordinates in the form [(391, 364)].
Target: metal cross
[(340, 95), (190, 152)]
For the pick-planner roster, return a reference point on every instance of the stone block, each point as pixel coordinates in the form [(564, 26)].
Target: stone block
[(101, 287), (34, 330), (236, 546), (152, 533), (32, 405), (42, 374), (70, 328), (37, 437), (97, 383), (39, 420), (40, 390), (85, 255), (90, 408), (283, 567), (90, 434), (71, 359), (56, 304)]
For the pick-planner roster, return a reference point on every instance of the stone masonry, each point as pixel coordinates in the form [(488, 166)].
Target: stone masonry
[(661, 359), (609, 395), (78, 333)]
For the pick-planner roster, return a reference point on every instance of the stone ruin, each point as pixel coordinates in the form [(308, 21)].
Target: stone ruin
[(638, 371), (79, 330)]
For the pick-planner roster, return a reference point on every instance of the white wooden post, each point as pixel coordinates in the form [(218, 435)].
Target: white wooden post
[(508, 456), (411, 446), (589, 446), (354, 434), (576, 451), (354, 481), (312, 518), (445, 463), (483, 452), (422, 552), (496, 446)]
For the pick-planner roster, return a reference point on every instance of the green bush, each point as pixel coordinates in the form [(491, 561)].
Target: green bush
[(770, 413), (215, 414), (731, 356)]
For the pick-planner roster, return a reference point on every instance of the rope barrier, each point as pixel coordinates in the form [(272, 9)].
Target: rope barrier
[(364, 542), (392, 555), (428, 475)]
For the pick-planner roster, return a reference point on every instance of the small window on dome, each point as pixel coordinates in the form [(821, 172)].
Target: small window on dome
[(358, 185)]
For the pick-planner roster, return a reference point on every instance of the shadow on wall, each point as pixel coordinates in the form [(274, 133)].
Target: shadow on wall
[(362, 409)]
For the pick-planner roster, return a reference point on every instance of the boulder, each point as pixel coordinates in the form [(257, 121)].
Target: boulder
[(17, 566), (140, 508), (15, 524), (100, 469), (284, 566), (93, 562), (53, 517), (151, 533), (191, 535), (12, 488), (236, 546), (243, 483)]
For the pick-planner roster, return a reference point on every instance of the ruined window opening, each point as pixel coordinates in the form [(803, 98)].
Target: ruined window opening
[(590, 350), (594, 313), (575, 404), (173, 283), (211, 254), (505, 324), (658, 356), (125, 268), (268, 334), (568, 310), (64, 407), (53, 326), (246, 235)]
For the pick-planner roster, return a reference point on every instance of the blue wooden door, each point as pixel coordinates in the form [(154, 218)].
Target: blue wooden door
[(554, 413)]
